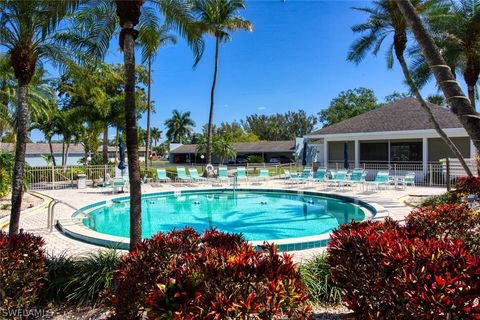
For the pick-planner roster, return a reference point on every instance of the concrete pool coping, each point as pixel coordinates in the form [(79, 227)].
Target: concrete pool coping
[(74, 228)]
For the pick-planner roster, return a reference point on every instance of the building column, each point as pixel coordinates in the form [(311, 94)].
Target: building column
[(357, 154), (325, 153), (425, 155)]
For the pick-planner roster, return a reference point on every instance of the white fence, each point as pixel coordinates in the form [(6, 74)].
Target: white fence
[(49, 177)]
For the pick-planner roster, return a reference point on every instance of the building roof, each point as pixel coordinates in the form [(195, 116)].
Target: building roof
[(402, 115), (43, 148), (246, 147)]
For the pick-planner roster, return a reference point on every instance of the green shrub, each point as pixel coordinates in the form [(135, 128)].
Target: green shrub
[(185, 275), (60, 268), (149, 173), (255, 159), (320, 287), (4, 182), (447, 197), (22, 270), (91, 276)]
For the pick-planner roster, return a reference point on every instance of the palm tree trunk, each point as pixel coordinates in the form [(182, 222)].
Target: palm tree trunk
[(472, 95), (105, 150), (147, 146), (66, 155), (105, 145), (212, 102), (116, 146), (20, 150), (51, 151), (63, 152), (441, 133), (460, 104), (132, 137)]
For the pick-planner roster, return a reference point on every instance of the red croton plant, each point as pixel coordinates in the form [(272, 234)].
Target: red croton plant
[(185, 275), (389, 271)]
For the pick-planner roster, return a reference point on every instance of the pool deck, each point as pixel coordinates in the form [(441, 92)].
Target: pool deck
[(388, 203)]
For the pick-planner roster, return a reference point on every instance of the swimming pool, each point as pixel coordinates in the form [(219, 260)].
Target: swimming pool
[(294, 220)]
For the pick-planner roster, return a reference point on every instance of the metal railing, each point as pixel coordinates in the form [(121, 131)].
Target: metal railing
[(51, 212), (51, 177)]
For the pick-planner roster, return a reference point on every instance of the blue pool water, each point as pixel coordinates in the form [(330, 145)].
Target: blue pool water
[(258, 215)]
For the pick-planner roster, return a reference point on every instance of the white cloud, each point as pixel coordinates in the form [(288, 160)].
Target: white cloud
[(262, 108)]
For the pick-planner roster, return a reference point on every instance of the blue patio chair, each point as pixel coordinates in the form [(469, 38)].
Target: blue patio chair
[(195, 175), (382, 178), (304, 177), (182, 175), (320, 175), (357, 177), (162, 175), (263, 175), (339, 179), (241, 173), (409, 179), (222, 174)]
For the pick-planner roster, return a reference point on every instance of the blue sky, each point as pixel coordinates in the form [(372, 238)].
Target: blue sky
[(294, 59)]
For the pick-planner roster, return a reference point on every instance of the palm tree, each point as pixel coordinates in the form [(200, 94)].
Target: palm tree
[(179, 126), (456, 30), (224, 149), (47, 123), (156, 135), (151, 39), (386, 19), (217, 18), (27, 32), (460, 104)]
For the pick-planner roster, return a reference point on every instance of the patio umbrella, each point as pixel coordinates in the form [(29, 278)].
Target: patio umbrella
[(121, 151), (345, 156)]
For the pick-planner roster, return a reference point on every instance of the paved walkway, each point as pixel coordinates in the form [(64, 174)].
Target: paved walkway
[(36, 222)]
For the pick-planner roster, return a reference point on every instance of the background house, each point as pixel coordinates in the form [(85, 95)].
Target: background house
[(282, 150), (36, 153)]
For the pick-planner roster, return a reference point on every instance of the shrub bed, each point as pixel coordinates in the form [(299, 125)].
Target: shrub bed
[(452, 221), (392, 272), (22, 270), (185, 275), (318, 282)]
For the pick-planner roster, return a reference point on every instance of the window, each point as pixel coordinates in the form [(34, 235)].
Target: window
[(377, 151), (406, 151)]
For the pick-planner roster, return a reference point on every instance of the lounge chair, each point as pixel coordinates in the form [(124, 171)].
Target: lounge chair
[(222, 174), (108, 182), (339, 179), (320, 175), (195, 175), (409, 179), (304, 177), (119, 183), (182, 175), (241, 174), (286, 174), (263, 175), (382, 178), (357, 177), (162, 175)]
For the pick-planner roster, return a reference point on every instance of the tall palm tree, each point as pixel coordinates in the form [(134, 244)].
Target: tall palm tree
[(156, 135), (151, 39), (456, 30), (218, 18), (386, 19), (27, 32), (460, 104), (129, 14), (179, 126)]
